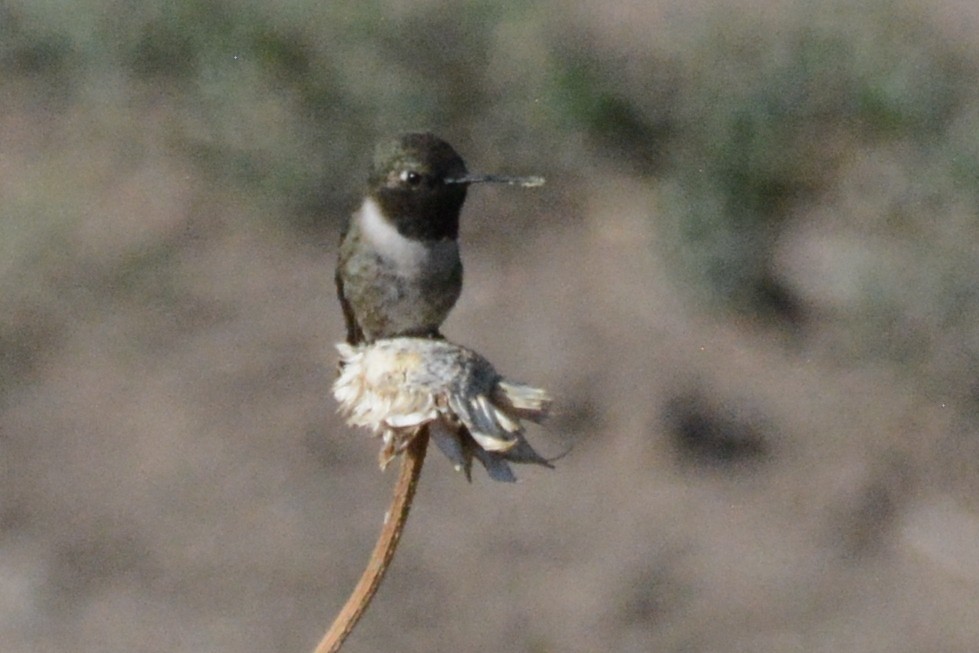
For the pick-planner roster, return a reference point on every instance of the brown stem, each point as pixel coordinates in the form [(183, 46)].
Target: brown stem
[(387, 543)]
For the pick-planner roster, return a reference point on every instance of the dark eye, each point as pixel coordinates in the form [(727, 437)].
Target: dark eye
[(411, 177)]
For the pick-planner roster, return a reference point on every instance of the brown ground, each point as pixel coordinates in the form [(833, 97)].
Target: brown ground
[(175, 477)]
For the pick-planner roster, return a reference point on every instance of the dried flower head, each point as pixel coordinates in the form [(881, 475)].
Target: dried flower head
[(397, 386)]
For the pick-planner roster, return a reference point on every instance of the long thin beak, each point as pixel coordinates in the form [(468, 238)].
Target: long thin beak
[(526, 182)]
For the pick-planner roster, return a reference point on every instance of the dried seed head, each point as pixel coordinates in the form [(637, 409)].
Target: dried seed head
[(396, 386)]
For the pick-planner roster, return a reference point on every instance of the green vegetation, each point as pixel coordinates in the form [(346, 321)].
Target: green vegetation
[(745, 122), (769, 119)]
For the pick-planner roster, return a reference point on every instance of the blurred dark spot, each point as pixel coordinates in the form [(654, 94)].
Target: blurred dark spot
[(40, 55), (15, 515), (626, 130), (43, 56), (164, 51), (648, 596), (25, 336), (620, 127), (94, 559), (174, 44), (577, 414), (874, 510), (755, 195), (287, 56), (709, 435), (869, 515), (775, 303)]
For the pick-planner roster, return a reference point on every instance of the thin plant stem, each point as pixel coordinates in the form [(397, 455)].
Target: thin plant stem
[(387, 544)]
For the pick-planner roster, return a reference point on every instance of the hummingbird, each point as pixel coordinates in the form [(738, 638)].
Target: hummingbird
[(399, 272)]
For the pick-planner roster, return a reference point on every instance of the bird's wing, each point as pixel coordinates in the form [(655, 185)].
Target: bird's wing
[(354, 333)]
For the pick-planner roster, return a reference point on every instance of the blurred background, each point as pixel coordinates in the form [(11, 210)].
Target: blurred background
[(750, 282)]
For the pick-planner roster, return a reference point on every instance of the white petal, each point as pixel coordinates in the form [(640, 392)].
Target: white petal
[(492, 442)]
